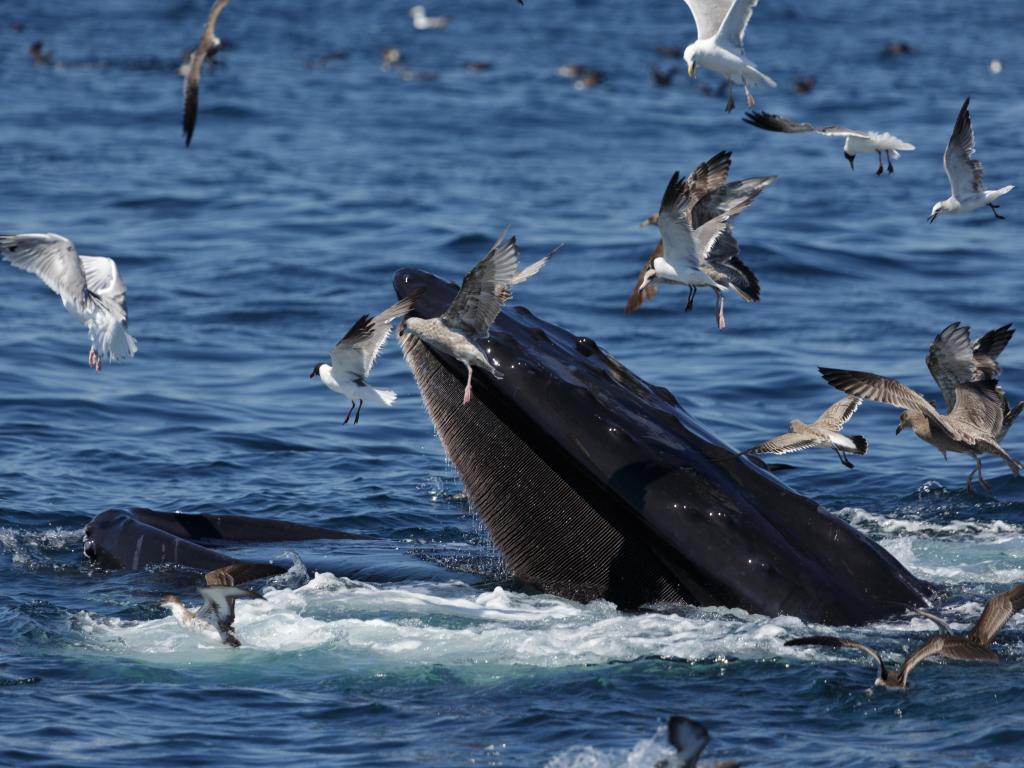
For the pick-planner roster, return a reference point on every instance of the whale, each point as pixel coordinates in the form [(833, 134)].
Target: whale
[(594, 484), (139, 538)]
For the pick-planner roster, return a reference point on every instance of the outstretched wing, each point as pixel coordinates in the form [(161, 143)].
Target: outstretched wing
[(638, 297), (239, 573), (950, 646), (997, 612), (731, 199), (769, 122), (708, 15), (206, 42), (709, 175), (951, 360), (222, 602), (53, 259), (482, 294), (734, 25), (357, 350), (964, 172), (981, 403), (689, 739), (790, 442), (829, 641), (871, 386), (837, 414)]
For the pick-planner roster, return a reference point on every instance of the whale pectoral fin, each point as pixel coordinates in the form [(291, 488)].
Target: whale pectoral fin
[(239, 573)]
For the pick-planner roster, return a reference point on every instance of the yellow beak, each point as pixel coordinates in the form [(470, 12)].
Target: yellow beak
[(691, 68)]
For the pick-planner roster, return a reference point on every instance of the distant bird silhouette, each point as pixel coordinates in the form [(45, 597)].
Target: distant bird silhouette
[(208, 42)]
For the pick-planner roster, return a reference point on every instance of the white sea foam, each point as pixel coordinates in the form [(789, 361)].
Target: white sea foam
[(33, 546)]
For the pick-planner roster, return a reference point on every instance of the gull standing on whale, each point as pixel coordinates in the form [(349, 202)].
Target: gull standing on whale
[(824, 431), (966, 189), (856, 142), (208, 42), (89, 286), (721, 25), (468, 319), (353, 357), (697, 248)]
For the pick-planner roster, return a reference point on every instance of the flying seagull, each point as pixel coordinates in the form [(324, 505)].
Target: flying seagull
[(218, 609), (824, 431), (973, 647), (467, 321), (856, 142), (353, 357), (966, 189), (697, 248), (208, 42), (89, 286), (972, 425), (721, 25)]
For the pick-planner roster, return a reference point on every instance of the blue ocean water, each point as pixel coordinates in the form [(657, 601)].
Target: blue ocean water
[(309, 182)]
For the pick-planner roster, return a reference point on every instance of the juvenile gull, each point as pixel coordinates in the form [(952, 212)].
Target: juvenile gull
[(89, 286), (217, 611), (966, 189), (972, 426), (467, 321), (697, 247), (353, 357), (856, 142), (208, 43), (824, 431), (973, 647), (721, 25)]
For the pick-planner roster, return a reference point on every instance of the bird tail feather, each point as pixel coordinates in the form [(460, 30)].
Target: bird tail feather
[(387, 396)]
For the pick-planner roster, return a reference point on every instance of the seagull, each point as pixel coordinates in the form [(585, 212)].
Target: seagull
[(721, 25), (208, 43), (89, 286), (468, 319), (421, 21), (972, 425), (824, 431), (353, 357), (973, 647), (966, 190), (857, 142), (218, 609), (697, 248)]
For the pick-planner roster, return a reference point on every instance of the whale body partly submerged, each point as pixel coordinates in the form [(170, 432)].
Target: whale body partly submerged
[(596, 484)]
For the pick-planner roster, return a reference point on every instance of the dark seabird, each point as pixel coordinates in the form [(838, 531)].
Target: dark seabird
[(689, 738), (207, 42)]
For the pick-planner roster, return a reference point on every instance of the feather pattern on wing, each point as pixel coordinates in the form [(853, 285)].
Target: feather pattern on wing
[(483, 290), (357, 350), (964, 172)]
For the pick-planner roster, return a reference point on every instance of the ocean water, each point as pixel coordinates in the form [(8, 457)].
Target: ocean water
[(309, 182)]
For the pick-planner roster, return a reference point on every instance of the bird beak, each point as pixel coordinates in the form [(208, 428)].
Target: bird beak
[(691, 68), (850, 158), (932, 218), (649, 220), (899, 428)]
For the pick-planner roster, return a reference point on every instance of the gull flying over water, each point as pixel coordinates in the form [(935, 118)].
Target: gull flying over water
[(721, 25), (966, 189), (856, 142), (208, 43), (697, 247), (89, 286), (973, 647), (467, 321), (352, 359), (824, 431)]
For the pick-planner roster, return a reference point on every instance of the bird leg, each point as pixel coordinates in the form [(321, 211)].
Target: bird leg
[(888, 159), (993, 206), (746, 90), (469, 385), (94, 359), (349, 414), (720, 309), (843, 458), (359, 409), (879, 171), (730, 104), (689, 299), (977, 468)]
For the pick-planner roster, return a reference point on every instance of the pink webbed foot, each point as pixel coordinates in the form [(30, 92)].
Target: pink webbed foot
[(467, 394)]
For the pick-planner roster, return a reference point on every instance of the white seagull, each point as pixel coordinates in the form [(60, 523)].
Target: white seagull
[(468, 319), (857, 142), (421, 21), (721, 25), (966, 190), (89, 286), (353, 357), (217, 611), (209, 43)]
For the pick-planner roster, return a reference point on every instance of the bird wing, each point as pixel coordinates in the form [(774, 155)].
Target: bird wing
[(724, 266), (997, 612), (951, 360), (638, 297), (481, 296), (836, 415), (709, 175), (206, 42), (980, 403), (357, 350), (830, 641), (674, 223), (689, 739), (222, 602), (734, 25), (994, 342), (239, 573), (871, 386), (790, 442), (730, 198), (964, 172), (107, 313), (54, 260), (937, 620), (950, 646), (708, 15)]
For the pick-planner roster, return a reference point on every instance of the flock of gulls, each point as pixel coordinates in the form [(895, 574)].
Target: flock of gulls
[(697, 249)]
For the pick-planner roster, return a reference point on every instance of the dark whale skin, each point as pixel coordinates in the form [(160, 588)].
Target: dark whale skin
[(138, 538), (596, 484)]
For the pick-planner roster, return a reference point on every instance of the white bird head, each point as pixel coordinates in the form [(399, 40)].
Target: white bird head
[(650, 277), (418, 11), (938, 208), (690, 57)]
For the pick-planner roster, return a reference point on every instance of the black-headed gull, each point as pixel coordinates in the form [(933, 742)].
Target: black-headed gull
[(966, 189), (353, 356), (89, 286), (721, 25)]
